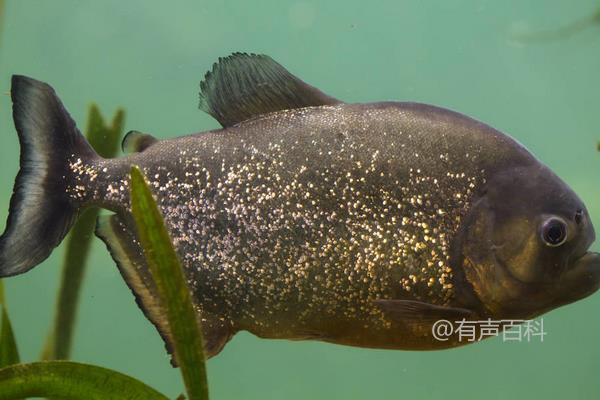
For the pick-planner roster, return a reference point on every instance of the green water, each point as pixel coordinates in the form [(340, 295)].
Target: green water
[(149, 56)]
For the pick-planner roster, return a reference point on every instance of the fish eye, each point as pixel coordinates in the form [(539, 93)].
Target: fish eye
[(554, 232)]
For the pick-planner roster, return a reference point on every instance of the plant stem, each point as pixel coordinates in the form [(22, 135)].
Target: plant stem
[(172, 287), (104, 139)]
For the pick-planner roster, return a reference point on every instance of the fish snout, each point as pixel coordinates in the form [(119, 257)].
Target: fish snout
[(589, 262), (583, 278)]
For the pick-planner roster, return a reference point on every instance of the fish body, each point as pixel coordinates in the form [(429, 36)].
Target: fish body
[(295, 223), (309, 218)]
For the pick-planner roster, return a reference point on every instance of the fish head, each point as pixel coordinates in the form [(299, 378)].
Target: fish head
[(525, 244)]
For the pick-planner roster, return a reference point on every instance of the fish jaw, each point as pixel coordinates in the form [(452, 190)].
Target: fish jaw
[(584, 277)]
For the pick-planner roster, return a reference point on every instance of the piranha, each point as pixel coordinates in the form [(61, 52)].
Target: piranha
[(306, 217)]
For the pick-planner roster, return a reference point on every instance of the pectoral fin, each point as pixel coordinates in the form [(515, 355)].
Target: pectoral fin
[(410, 310), (243, 86)]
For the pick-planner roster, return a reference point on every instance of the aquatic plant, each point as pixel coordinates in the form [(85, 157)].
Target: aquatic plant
[(8, 346), (563, 32), (105, 140), (172, 287), (65, 379)]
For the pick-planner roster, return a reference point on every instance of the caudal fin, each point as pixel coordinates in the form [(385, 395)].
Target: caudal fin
[(41, 211)]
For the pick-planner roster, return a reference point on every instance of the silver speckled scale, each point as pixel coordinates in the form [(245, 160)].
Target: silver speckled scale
[(294, 224)]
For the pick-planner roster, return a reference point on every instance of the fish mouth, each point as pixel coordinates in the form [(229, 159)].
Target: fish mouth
[(583, 278), (589, 261)]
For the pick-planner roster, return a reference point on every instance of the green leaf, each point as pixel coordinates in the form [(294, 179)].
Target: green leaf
[(105, 141), (172, 287), (69, 380), (9, 354), (104, 138)]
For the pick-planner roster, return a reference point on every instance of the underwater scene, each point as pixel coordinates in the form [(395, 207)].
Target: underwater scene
[(299, 199)]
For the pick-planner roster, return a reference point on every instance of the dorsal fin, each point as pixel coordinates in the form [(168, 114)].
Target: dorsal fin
[(243, 86), (135, 142)]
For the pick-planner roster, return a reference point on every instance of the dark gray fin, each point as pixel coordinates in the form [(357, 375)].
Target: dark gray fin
[(309, 335), (41, 211), (410, 310), (216, 337), (128, 255), (243, 86), (135, 142)]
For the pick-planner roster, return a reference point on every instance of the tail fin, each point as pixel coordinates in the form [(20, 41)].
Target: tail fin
[(41, 212)]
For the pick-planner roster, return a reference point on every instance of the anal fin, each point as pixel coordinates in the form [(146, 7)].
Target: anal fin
[(128, 255)]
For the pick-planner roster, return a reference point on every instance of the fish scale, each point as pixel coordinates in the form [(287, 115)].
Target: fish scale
[(274, 220)]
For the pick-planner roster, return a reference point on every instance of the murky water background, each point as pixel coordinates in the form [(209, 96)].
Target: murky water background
[(149, 58)]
